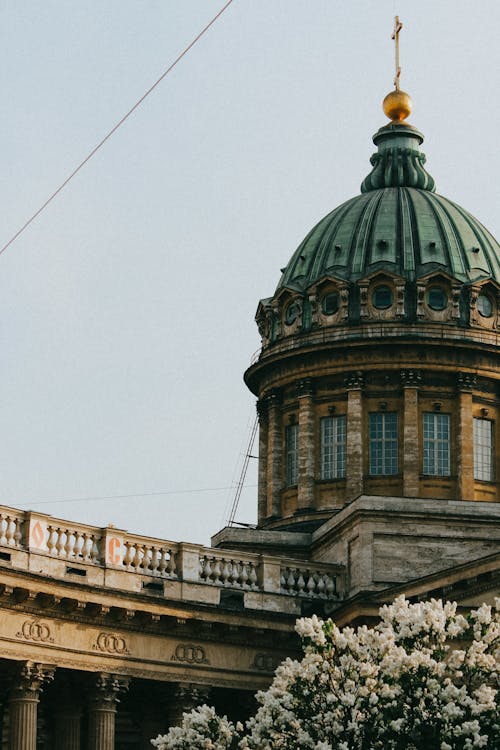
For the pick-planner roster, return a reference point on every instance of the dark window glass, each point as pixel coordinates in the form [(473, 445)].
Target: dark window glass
[(382, 297), (330, 303), (437, 298), (484, 306), (292, 313)]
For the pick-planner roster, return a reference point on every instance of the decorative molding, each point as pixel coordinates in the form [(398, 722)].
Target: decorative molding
[(354, 380), (190, 653), (305, 387), (411, 378), (466, 381), (265, 662), (110, 643), (30, 679), (36, 631)]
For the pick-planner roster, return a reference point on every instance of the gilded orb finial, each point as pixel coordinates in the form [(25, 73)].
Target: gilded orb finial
[(398, 104)]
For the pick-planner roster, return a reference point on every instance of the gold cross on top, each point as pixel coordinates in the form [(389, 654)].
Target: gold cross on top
[(395, 35)]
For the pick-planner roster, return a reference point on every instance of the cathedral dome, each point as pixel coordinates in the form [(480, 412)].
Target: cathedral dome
[(398, 223), (396, 252), (379, 370)]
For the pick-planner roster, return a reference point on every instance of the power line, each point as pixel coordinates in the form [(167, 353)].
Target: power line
[(114, 129), (129, 496)]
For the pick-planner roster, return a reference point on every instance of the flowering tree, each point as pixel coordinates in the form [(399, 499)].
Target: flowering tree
[(424, 678)]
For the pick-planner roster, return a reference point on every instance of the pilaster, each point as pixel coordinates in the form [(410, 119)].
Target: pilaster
[(262, 472), (354, 481), (465, 443), (305, 489), (411, 461), (274, 455)]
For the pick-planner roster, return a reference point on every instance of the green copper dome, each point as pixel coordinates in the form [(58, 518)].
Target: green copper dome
[(398, 224)]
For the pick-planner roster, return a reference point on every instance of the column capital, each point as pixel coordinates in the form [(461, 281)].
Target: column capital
[(190, 695), (106, 689), (273, 398), (410, 378), (305, 387), (29, 679), (355, 380), (466, 381)]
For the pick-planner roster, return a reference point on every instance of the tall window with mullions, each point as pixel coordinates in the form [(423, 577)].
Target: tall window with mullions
[(383, 443), (437, 445), (292, 454), (333, 447), (483, 450)]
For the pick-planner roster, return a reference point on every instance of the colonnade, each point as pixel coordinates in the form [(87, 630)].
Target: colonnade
[(82, 712)]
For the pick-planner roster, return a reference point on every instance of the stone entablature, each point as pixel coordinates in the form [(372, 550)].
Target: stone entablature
[(110, 558)]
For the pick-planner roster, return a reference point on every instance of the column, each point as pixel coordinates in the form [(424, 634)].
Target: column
[(67, 730), (305, 494), (185, 697), (354, 474), (464, 446), (411, 450), (23, 703), (274, 455), (262, 475), (103, 700)]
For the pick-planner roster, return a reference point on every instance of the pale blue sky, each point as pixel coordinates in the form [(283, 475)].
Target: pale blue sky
[(126, 310)]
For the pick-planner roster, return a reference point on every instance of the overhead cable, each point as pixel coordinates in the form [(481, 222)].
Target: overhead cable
[(114, 129)]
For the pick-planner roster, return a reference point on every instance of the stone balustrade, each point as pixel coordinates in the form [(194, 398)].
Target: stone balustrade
[(115, 558), (315, 583), (224, 571)]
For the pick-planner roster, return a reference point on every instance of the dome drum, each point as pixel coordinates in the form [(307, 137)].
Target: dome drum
[(379, 372)]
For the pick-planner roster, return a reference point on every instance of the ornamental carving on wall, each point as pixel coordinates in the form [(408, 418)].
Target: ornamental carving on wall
[(110, 643), (189, 653), (265, 662), (36, 631)]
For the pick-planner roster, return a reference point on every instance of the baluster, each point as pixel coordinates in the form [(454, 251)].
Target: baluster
[(290, 582), (216, 570), (244, 576), (300, 583), (86, 547), (320, 586), (9, 529), (331, 588), (171, 564), (202, 564), (163, 561), (234, 577), (311, 584), (282, 580), (59, 542), (51, 540), (94, 550), (69, 546), (253, 577), (17, 532), (155, 556), (139, 554), (3, 530), (128, 557), (226, 572)]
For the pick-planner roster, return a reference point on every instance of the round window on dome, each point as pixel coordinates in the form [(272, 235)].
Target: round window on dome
[(437, 299), (330, 303), (382, 297), (484, 305), (292, 313)]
